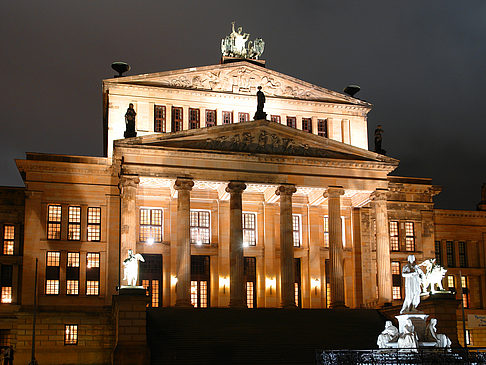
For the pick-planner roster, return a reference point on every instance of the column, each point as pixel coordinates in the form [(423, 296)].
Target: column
[(287, 277), (183, 286), (128, 239), (237, 284), (336, 256), (378, 202)]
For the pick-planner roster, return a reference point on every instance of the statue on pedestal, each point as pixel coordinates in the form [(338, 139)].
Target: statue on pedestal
[(378, 140), (235, 45), (130, 122), (389, 334), (408, 338), (413, 279), (130, 268), (433, 275), (260, 114)]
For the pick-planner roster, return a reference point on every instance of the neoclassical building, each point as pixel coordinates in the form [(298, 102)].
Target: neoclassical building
[(294, 210)]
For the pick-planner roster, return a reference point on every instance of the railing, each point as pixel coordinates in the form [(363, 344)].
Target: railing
[(470, 356)]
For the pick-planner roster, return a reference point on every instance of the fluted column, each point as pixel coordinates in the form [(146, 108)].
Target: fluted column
[(287, 277), (378, 202), (183, 287), (128, 240), (336, 256), (237, 284)]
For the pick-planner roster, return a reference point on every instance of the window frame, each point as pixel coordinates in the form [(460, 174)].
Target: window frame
[(462, 250), (95, 225), (52, 223), (74, 221), (322, 128), (72, 272), (292, 122), (160, 118), (151, 226), (194, 118), (93, 273), (177, 124), (199, 227), (245, 229), (243, 117), (299, 231), (325, 227), (450, 254), (8, 243), (53, 272), (394, 236), (213, 114), (307, 125), (67, 340), (226, 120), (276, 119), (410, 238)]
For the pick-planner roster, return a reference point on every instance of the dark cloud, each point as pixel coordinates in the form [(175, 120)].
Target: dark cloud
[(421, 63)]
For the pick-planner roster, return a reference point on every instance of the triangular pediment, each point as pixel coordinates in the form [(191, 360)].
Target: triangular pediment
[(239, 78), (256, 137)]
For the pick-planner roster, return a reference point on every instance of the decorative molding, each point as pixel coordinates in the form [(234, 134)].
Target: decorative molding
[(285, 190)]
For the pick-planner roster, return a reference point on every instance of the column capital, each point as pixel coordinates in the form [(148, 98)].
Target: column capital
[(128, 185), (285, 190), (334, 192), (235, 187), (183, 183), (379, 195)]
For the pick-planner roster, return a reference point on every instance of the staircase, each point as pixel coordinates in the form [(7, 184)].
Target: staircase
[(257, 336)]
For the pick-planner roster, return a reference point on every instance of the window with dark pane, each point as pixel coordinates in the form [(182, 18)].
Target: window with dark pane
[(177, 121), (297, 283), (53, 262), (8, 239), (307, 125), (292, 122), (6, 283), (72, 273), (462, 254), (74, 223), (200, 281), (450, 252), (92, 273), (210, 118), (276, 119), (250, 280), (151, 278), (438, 253), (397, 280), (243, 117), (159, 118), (227, 117), (194, 121), (322, 127)]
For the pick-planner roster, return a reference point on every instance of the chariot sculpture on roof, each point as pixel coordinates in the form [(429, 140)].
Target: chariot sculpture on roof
[(237, 44)]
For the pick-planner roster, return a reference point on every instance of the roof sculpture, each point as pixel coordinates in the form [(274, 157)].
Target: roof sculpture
[(235, 45)]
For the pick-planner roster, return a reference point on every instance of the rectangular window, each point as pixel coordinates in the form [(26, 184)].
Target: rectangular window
[(159, 118), (199, 290), (150, 225), (249, 229), (94, 224), (307, 125), (465, 291), (296, 228), (451, 282), (6, 283), (92, 273), (249, 294), (394, 242), (70, 334), (243, 117), (468, 337), (397, 280), (194, 121), (296, 294), (462, 254), (210, 118), (438, 253), (322, 127), (176, 119), (8, 239), (326, 231), (72, 273), (74, 223), (451, 256), (227, 117), (397, 293), (54, 216), (6, 294), (292, 122), (409, 236), (53, 261), (200, 223), (153, 291), (275, 119)]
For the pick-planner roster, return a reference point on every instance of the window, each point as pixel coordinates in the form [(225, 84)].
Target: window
[(409, 236), (54, 222), (159, 118), (296, 294), (249, 294), (297, 283), (462, 254), (451, 282), (194, 118), (6, 283), (438, 253), (200, 281), (394, 242), (92, 273), (465, 291), (292, 122), (397, 280), (227, 117), (200, 220), (307, 125), (151, 277), (243, 117), (152, 291), (249, 271), (6, 294), (468, 337), (150, 225), (249, 229), (210, 118), (322, 127), (296, 229), (52, 272), (326, 231), (176, 119), (70, 334), (8, 239), (451, 256), (72, 273), (74, 223), (94, 224), (275, 118)]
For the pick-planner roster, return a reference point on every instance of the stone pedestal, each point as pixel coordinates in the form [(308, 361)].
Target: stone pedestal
[(419, 321), (129, 307)]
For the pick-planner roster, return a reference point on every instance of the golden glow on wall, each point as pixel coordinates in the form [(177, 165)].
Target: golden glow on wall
[(270, 283), (224, 283)]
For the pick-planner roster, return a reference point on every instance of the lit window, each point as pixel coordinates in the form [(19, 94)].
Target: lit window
[(227, 117), (409, 236), (150, 225), (155, 293), (200, 223), (249, 229), (93, 260), (71, 334), (468, 337), (176, 119), (194, 290), (296, 229), (450, 282), (396, 279), (159, 118), (292, 122), (394, 243), (307, 125), (210, 118), (326, 231), (73, 259), (6, 283), (462, 254), (297, 293), (397, 293), (6, 294), (74, 223), (52, 287), (8, 239), (275, 119), (54, 222), (72, 273), (322, 127), (94, 224), (72, 287), (92, 273), (395, 268), (53, 258), (52, 272), (243, 117), (92, 287), (249, 294), (328, 295), (451, 259), (438, 253), (199, 293), (465, 291), (194, 118)]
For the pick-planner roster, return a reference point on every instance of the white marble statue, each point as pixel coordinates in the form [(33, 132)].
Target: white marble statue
[(130, 268), (441, 339), (236, 44), (408, 338), (433, 275), (413, 278), (389, 334)]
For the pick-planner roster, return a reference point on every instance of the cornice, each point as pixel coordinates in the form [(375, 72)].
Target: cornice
[(460, 213)]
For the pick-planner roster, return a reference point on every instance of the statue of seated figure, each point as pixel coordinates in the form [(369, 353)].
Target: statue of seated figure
[(408, 341), (441, 339), (389, 334)]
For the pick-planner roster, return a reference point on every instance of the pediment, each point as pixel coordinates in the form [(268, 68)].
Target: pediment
[(256, 137), (239, 78)]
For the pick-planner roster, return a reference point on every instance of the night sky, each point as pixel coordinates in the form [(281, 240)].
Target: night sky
[(422, 64)]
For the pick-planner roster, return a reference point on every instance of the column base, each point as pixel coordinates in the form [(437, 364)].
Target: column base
[(338, 305), (183, 303), (289, 306)]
